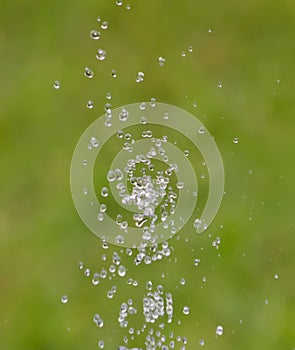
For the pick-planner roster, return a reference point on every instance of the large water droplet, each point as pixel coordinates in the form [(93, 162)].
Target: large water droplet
[(219, 330), (95, 35), (88, 73), (101, 54)]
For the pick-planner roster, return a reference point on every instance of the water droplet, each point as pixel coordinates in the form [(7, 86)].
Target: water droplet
[(202, 342), (182, 281), (161, 61), (183, 54), (220, 85), (196, 262), (111, 176), (140, 77), (64, 299), (88, 73), (128, 7), (180, 185), (100, 217), (186, 310), (104, 192), (108, 96), (104, 25), (219, 330), (201, 130), (101, 344), (235, 140), (190, 49), (56, 84), (98, 320), (114, 73), (276, 276), (123, 115), (119, 2), (95, 35), (85, 191), (98, 19), (122, 271), (101, 54), (90, 104), (210, 31), (94, 142), (153, 102)]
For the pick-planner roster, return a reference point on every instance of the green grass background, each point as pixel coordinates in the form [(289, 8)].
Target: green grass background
[(42, 239)]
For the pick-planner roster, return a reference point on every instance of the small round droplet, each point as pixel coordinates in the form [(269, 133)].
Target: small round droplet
[(276, 276), (202, 342), (201, 130), (88, 73), (64, 299), (122, 271), (95, 35), (210, 31), (190, 49), (220, 85), (114, 73), (108, 96), (186, 310), (119, 2), (90, 104), (104, 191), (111, 176), (101, 54), (101, 344), (161, 61), (219, 330), (140, 77), (56, 85), (104, 25), (235, 140)]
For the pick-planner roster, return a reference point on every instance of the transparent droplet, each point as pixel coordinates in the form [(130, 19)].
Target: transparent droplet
[(128, 7), (183, 54), (123, 115), (220, 85), (95, 35), (210, 31), (56, 84), (100, 217), (186, 310), (235, 140), (180, 185), (103, 208), (196, 262), (64, 299), (94, 142), (104, 192), (114, 73), (101, 344), (122, 271), (219, 330), (108, 96), (276, 276), (140, 77), (111, 176), (104, 25), (182, 281), (201, 130), (153, 102), (161, 61), (88, 73), (90, 104), (101, 54), (190, 49), (119, 2), (202, 342), (98, 320)]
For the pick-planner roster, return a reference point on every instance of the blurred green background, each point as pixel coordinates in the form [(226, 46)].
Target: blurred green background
[(251, 51)]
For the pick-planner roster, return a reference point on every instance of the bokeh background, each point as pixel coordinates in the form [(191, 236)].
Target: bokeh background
[(248, 47)]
